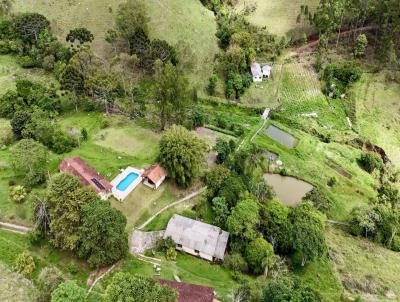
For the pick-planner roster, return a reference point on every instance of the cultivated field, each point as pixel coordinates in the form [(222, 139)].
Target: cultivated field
[(279, 16), (171, 20)]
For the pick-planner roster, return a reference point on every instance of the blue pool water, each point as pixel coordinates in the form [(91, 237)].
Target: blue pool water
[(126, 182)]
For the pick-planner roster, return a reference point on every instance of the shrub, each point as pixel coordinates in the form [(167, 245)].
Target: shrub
[(319, 200), (371, 161), (339, 77), (73, 269), (25, 264), (68, 291), (171, 254), (49, 279), (163, 245), (236, 263), (18, 194), (212, 84), (35, 237)]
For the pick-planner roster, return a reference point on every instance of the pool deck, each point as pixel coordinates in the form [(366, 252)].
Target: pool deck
[(121, 195)]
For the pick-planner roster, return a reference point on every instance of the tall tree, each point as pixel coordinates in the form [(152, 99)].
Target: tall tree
[(172, 96), (103, 239), (29, 158), (243, 221), (182, 153), (64, 201), (28, 26), (132, 16), (259, 255), (308, 238), (81, 34)]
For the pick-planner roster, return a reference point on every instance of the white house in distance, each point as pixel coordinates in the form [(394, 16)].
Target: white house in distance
[(260, 72), (256, 72), (154, 176), (197, 238)]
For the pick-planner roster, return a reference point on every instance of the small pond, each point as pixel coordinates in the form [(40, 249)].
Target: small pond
[(282, 137), (289, 190)]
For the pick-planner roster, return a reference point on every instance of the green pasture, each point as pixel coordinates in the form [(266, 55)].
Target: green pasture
[(171, 20), (378, 112), (279, 17)]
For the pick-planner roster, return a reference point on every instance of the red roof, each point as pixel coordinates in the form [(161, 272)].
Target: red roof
[(191, 292), (154, 173), (88, 177)]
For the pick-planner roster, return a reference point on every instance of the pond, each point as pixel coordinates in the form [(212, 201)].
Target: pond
[(289, 190), (282, 137)]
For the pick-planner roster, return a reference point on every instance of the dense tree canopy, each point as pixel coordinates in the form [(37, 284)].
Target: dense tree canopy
[(172, 96), (259, 255), (134, 288), (243, 221), (182, 153), (290, 290), (68, 291), (65, 199), (103, 240), (308, 237)]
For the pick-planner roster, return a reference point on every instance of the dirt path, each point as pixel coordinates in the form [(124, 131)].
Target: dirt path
[(312, 44), (15, 228), (190, 196)]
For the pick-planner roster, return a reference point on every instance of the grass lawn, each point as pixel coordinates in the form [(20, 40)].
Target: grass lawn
[(377, 112), (211, 136), (279, 16), (170, 20), (308, 161), (161, 221), (12, 244), (144, 202), (322, 276), (364, 266), (188, 268), (10, 71)]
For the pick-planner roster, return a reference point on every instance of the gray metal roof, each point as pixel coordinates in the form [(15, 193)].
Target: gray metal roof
[(197, 235), (256, 69)]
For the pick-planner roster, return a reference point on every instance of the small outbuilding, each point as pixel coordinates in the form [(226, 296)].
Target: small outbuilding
[(87, 175), (197, 238), (256, 72), (190, 292), (154, 176), (266, 71)]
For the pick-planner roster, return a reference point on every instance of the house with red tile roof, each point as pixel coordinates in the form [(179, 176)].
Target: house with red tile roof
[(191, 292), (87, 175), (154, 176)]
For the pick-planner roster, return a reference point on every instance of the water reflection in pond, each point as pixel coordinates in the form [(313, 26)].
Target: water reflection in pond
[(282, 137), (289, 190)]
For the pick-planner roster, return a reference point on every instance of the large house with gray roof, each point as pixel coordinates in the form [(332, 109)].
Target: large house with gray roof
[(197, 238)]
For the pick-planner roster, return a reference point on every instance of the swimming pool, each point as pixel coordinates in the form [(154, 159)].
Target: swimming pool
[(125, 183)]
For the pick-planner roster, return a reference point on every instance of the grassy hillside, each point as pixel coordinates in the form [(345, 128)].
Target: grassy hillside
[(364, 267), (171, 20), (278, 16), (378, 108)]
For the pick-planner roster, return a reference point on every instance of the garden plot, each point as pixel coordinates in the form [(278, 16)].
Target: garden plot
[(211, 136), (303, 101)]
